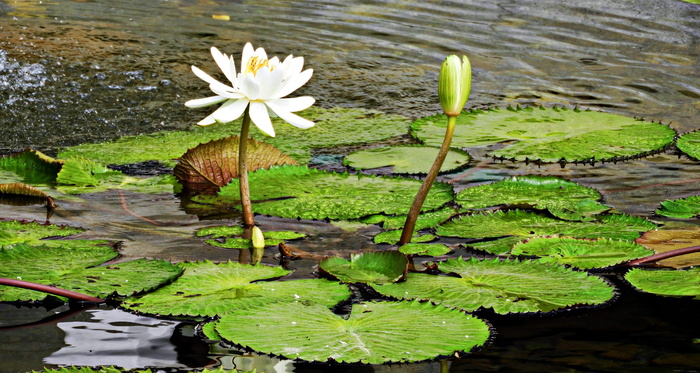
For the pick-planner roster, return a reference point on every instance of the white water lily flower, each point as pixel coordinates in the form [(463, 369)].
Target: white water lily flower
[(260, 86)]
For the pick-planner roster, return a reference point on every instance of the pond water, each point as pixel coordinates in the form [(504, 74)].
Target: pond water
[(73, 72)]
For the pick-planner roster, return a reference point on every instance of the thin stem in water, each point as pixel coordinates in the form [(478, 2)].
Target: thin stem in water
[(412, 217), (246, 205), (661, 256), (49, 289)]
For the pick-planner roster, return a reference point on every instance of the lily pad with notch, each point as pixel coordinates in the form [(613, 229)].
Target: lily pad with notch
[(509, 286), (550, 135), (408, 159), (374, 333), (209, 289), (369, 267)]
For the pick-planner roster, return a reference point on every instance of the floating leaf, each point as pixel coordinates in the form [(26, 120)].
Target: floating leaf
[(369, 267), (580, 253), (337, 126), (240, 243), (19, 194), (529, 224), (208, 289), (506, 286), (662, 241), (564, 199), (220, 231), (550, 135), (301, 192), (32, 166), (682, 208), (118, 370), (14, 232), (393, 237), (80, 175), (374, 333), (689, 143), (431, 249), (409, 159), (428, 219), (666, 282), (214, 164), (76, 265)]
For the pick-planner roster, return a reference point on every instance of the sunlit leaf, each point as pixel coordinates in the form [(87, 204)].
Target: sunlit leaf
[(689, 143), (666, 282), (369, 267), (80, 175), (550, 134), (506, 286), (374, 333), (77, 265), (427, 219), (301, 192), (564, 199), (410, 159), (32, 166), (14, 232), (393, 237), (580, 253), (208, 289), (214, 164), (682, 208), (427, 249)]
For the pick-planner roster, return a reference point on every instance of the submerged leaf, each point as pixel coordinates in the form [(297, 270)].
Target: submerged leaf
[(666, 282), (374, 333), (665, 240), (32, 166), (302, 192), (369, 267), (550, 135), (19, 194), (564, 199), (77, 265), (580, 253), (410, 159), (214, 164), (506, 286), (208, 289)]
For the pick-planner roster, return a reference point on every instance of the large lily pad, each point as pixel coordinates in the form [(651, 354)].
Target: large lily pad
[(506, 286), (301, 192), (666, 282), (13, 232), (523, 224), (76, 265), (215, 163), (337, 126), (682, 208), (564, 199), (370, 267), (374, 333), (208, 289), (550, 135), (410, 159), (580, 253), (689, 143), (32, 166)]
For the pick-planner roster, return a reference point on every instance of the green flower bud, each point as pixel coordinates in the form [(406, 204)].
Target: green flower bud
[(454, 84), (258, 238)]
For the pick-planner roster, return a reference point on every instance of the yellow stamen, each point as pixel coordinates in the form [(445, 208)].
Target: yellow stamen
[(255, 64)]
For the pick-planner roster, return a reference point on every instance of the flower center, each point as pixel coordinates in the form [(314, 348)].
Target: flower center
[(256, 63)]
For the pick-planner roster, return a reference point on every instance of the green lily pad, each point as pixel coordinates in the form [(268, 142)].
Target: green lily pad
[(506, 286), (337, 126), (241, 243), (409, 159), (550, 135), (430, 249), (374, 333), (208, 289), (689, 143), (32, 166), (13, 232), (581, 253), (425, 220), (564, 199), (76, 265), (234, 241), (220, 231), (393, 237), (683, 208), (370, 267), (666, 282), (302, 192), (524, 224)]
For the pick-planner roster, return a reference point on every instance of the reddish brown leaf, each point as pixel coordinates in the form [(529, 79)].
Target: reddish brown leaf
[(215, 164)]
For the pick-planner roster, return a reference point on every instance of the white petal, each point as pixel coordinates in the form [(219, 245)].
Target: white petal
[(202, 102), (293, 66), (291, 104), (247, 54), (249, 87), (227, 92), (287, 116), (265, 84), (230, 110), (294, 83), (207, 121), (227, 66), (259, 116), (212, 82)]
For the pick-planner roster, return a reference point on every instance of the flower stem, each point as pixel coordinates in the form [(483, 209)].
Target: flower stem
[(410, 224), (50, 290), (246, 206), (661, 256)]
